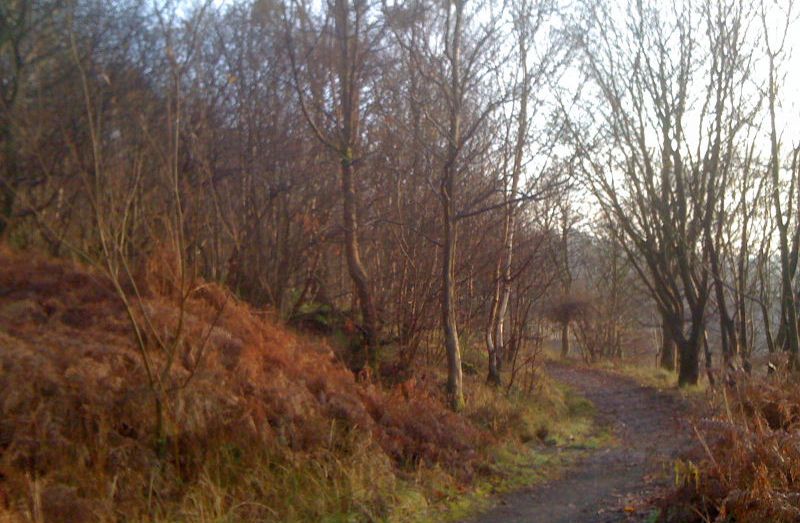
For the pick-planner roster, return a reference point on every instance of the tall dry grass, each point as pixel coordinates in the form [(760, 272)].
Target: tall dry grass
[(747, 466), (262, 424)]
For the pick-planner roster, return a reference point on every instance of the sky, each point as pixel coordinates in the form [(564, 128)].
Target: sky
[(777, 13)]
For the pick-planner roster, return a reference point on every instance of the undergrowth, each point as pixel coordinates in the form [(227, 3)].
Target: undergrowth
[(747, 466), (269, 426)]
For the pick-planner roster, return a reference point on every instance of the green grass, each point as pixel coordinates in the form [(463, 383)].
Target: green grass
[(649, 375), (644, 373), (552, 432), (538, 438), (275, 484)]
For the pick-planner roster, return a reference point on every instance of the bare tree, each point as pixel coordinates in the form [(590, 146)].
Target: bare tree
[(529, 17), (336, 121), (27, 40), (114, 184), (454, 58), (788, 243), (666, 203)]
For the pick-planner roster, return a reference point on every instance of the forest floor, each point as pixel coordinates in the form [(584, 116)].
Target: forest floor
[(615, 483)]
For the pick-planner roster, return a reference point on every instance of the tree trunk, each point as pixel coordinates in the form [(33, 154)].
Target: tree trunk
[(727, 326), (447, 194), (493, 377), (564, 339), (789, 317), (6, 206), (744, 340), (767, 328), (709, 362), (689, 371), (667, 348), (349, 93), (454, 375), (506, 257), (742, 270), (500, 337), (354, 266), (7, 185), (689, 349), (790, 322)]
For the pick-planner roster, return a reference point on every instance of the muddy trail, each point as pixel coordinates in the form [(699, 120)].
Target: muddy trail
[(611, 484)]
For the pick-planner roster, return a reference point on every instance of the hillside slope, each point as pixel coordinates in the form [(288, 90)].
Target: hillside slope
[(265, 414)]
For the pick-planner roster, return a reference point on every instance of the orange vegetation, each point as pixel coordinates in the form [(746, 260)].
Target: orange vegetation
[(748, 465), (76, 416)]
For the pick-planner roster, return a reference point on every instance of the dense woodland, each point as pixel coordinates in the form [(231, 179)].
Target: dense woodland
[(344, 156), (419, 179)]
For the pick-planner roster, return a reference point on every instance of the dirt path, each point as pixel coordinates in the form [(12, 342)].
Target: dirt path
[(647, 424)]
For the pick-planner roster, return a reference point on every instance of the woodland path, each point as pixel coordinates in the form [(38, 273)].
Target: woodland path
[(647, 424)]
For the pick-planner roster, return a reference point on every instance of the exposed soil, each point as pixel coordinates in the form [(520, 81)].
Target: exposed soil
[(612, 484)]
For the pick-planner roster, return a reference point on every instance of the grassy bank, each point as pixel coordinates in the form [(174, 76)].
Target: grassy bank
[(540, 437), (260, 423)]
